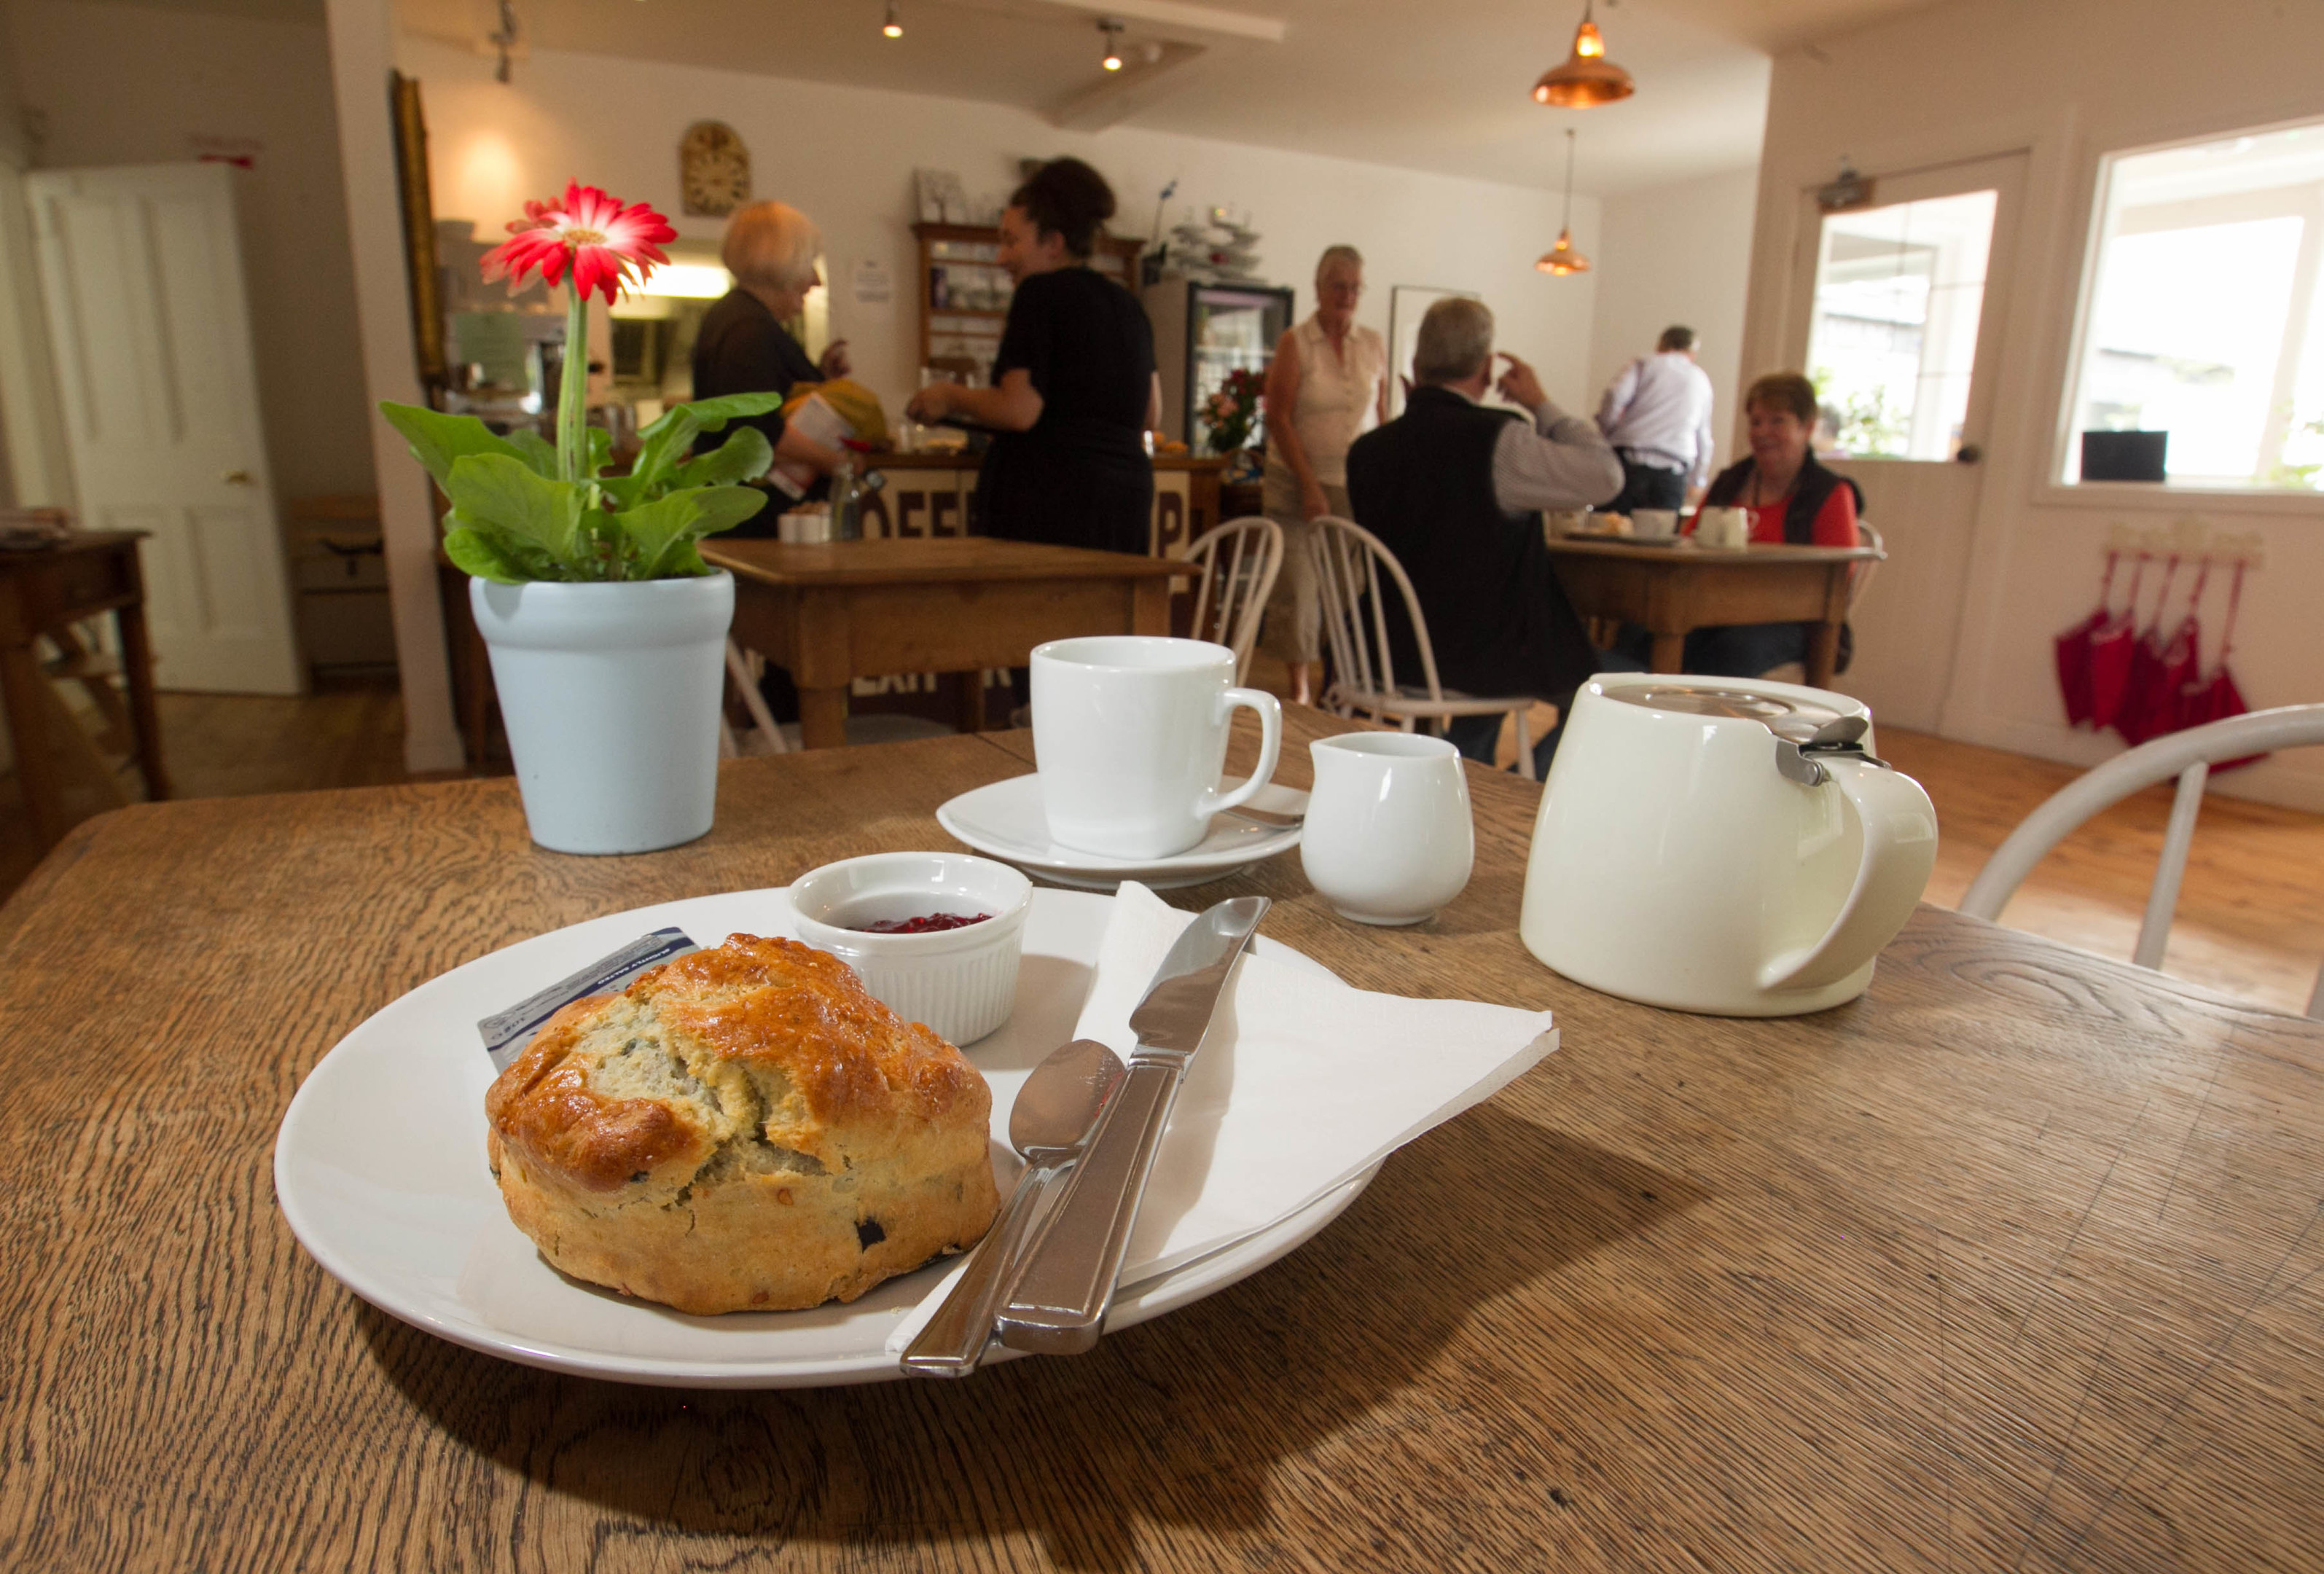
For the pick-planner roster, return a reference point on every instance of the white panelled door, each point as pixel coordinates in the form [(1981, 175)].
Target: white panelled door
[(141, 272), (1900, 312)]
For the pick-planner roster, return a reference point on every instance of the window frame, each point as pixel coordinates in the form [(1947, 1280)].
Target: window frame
[(2050, 489)]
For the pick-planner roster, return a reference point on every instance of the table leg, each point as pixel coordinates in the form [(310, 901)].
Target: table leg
[(970, 701), (146, 719), (36, 766), (823, 717), (1823, 654), (1668, 654), (1149, 606)]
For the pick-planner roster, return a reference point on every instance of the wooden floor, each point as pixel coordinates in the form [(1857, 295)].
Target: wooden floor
[(2250, 915)]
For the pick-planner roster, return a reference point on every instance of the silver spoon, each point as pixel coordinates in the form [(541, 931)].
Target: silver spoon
[(1055, 1112)]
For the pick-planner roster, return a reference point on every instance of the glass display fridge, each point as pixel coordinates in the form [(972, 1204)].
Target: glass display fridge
[(1203, 331)]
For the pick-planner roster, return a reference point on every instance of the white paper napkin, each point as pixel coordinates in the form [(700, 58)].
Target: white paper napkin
[(1301, 1084)]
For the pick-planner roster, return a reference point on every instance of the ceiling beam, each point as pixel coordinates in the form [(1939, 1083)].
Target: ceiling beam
[(1139, 84), (1183, 20)]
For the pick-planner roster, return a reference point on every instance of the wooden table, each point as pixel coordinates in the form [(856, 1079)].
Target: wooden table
[(2015, 1263), (1670, 591), (42, 593), (829, 615)]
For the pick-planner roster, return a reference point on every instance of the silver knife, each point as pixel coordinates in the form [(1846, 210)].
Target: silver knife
[(1059, 1301)]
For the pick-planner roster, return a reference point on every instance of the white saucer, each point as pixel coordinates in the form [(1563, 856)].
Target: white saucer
[(1004, 821)]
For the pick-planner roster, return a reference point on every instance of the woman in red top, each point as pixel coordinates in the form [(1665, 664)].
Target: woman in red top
[(1792, 499)]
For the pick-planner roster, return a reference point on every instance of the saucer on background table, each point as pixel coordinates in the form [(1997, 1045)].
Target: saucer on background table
[(1004, 820)]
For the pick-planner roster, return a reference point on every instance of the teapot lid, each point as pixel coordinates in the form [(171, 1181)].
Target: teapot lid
[(1797, 720)]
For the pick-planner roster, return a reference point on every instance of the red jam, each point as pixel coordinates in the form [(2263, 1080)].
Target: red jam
[(932, 923)]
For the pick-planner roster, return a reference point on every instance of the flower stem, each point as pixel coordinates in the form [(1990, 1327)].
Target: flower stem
[(573, 394)]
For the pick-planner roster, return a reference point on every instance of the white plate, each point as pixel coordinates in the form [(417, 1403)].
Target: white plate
[(380, 1168), (1005, 821)]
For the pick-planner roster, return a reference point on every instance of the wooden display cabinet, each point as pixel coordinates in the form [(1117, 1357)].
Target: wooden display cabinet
[(964, 292)]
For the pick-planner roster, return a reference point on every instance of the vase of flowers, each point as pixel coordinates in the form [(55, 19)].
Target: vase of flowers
[(606, 629), (1230, 415)]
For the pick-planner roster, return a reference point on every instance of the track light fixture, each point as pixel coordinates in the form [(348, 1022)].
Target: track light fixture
[(894, 26), (1111, 29)]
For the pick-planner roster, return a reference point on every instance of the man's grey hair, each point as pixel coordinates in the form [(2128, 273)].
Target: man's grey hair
[(1456, 342), (772, 245), (1345, 255), (1675, 337)]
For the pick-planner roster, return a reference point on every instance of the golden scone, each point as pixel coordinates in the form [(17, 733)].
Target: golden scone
[(742, 1129)]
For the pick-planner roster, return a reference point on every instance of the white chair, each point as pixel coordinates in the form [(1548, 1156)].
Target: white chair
[(767, 736), (2187, 755), (1350, 561), (1237, 563)]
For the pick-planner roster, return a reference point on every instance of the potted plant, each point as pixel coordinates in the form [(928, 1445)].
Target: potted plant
[(608, 631)]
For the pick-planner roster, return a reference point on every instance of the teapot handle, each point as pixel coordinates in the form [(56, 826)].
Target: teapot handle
[(1900, 848)]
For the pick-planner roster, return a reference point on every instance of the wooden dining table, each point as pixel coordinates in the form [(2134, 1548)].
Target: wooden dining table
[(1672, 590), (2016, 1262), (831, 613)]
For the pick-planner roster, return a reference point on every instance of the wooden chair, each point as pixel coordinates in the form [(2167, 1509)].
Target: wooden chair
[(2189, 756), (1351, 567), (1857, 583), (1238, 562)]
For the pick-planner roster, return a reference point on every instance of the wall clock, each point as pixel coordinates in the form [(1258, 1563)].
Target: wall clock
[(713, 170)]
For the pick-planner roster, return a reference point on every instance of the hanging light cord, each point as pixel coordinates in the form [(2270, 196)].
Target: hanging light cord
[(1567, 222)]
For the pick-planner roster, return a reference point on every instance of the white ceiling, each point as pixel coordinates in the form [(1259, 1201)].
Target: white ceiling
[(1439, 85)]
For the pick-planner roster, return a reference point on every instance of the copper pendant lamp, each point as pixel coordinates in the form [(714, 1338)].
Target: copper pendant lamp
[(1588, 79), (1562, 258)]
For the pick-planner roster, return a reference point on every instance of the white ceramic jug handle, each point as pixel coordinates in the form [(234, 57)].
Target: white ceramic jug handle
[(1900, 848), (1271, 744)]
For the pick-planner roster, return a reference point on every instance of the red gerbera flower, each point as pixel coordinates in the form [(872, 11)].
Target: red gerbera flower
[(609, 246)]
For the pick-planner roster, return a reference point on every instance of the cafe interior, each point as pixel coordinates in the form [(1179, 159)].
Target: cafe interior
[(1166, 708)]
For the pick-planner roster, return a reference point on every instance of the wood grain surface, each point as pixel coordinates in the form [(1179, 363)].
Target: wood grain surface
[(912, 559), (2014, 1263)]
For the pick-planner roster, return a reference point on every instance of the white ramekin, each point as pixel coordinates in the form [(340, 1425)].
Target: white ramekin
[(961, 982)]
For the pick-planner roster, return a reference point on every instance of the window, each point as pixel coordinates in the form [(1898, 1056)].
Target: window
[(1898, 293), (2201, 319)]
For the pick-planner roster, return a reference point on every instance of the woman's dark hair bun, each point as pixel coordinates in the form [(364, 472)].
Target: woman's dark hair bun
[(1068, 198)]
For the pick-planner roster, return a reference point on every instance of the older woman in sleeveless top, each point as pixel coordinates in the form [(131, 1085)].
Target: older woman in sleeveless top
[(1327, 385)]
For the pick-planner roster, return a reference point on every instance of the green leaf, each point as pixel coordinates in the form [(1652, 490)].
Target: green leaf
[(655, 529), (501, 490), (527, 561), (684, 562), (663, 444), (601, 449), (439, 441), (472, 552), (536, 451), (744, 456)]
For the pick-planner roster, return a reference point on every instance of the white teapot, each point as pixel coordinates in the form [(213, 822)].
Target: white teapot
[(1726, 846)]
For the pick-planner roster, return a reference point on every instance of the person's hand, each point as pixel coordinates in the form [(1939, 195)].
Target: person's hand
[(932, 404), (1313, 503), (1520, 385), (835, 362)]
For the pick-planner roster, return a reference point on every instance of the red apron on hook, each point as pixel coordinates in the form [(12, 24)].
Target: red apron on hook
[(2157, 706), (2111, 646), (2074, 650), (2215, 698)]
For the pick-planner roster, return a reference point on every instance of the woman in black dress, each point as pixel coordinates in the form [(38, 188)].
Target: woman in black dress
[(743, 347), (1074, 386)]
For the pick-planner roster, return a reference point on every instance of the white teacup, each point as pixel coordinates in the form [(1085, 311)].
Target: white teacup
[(1726, 528), (1654, 523), (1128, 734), (1387, 838)]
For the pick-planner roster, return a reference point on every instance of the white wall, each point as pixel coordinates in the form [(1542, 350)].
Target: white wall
[(2065, 81), (1678, 255), (845, 156), (130, 85)]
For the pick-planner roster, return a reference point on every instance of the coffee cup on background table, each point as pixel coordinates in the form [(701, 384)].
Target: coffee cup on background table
[(1726, 528), (1129, 732), (1652, 523)]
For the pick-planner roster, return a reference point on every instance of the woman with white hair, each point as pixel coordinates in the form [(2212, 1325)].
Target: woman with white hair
[(744, 347), (1326, 386)]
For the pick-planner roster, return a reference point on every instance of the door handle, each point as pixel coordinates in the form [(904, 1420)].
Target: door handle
[(238, 478), (1969, 453)]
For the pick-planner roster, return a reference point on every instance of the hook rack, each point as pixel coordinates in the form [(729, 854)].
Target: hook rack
[(2190, 538)]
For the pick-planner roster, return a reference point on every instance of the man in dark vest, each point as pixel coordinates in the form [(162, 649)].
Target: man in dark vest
[(1455, 490)]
